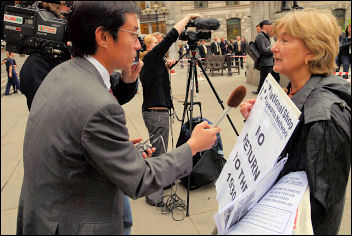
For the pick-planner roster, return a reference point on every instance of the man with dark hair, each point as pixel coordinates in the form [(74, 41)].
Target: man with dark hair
[(266, 60), (77, 158), (258, 29)]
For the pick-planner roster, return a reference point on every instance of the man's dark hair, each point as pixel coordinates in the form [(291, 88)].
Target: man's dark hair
[(86, 16), (257, 25), (264, 22)]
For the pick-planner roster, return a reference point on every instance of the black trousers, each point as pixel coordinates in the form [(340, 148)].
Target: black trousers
[(264, 71), (241, 59)]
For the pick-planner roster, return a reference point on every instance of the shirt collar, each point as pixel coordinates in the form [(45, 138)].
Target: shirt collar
[(302, 95), (101, 69)]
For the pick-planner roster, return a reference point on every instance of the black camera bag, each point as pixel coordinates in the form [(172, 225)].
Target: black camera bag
[(208, 164)]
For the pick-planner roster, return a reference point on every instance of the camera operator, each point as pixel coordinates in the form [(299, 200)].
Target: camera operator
[(156, 93), (38, 64)]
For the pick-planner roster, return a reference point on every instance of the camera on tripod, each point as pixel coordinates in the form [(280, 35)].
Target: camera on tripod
[(203, 27), (193, 36), (29, 29)]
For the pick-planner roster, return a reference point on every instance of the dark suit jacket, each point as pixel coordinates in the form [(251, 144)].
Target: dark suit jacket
[(263, 43), (237, 52), (78, 160), (230, 48), (214, 49), (33, 71), (201, 51), (223, 47)]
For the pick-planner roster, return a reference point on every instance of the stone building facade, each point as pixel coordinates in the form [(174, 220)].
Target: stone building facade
[(260, 10), (245, 14)]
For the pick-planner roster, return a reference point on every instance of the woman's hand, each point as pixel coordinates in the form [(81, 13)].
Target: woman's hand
[(246, 107), (169, 63), (193, 16)]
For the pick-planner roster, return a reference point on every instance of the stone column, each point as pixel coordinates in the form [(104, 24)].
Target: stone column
[(260, 11)]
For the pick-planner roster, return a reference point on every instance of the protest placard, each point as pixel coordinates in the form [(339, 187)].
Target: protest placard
[(276, 211), (256, 153)]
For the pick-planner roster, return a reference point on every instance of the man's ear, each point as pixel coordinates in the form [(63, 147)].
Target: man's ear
[(101, 37)]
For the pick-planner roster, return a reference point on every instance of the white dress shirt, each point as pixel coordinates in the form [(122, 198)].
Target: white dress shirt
[(101, 69)]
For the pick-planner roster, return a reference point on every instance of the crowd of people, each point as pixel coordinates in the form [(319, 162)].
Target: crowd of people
[(237, 49), (78, 177)]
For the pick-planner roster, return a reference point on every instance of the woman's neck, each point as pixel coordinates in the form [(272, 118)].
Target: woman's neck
[(298, 80)]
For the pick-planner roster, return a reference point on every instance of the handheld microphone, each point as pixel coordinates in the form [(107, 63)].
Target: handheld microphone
[(207, 23), (234, 101)]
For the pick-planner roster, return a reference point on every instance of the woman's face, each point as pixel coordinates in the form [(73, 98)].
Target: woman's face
[(152, 44), (289, 54)]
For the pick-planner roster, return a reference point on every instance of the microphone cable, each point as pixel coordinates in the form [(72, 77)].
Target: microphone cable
[(174, 205)]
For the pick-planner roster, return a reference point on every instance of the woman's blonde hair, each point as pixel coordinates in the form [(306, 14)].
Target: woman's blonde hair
[(148, 39), (319, 32)]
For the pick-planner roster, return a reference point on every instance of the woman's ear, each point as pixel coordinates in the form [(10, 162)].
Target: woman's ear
[(309, 54)]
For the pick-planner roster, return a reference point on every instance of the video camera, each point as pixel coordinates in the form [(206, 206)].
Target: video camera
[(201, 24), (29, 29)]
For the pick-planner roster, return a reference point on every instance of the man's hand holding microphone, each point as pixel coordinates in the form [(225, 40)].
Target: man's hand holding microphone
[(203, 137)]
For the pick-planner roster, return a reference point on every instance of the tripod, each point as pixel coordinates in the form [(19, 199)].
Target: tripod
[(192, 79)]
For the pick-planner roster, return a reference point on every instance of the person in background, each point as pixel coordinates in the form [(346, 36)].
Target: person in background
[(239, 49), (202, 49), (265, 60), (157, 95), (12, 77), (158, 36), (223, 46), (75, 176), (305, 50), (258, 29), (215, 47), (244, 43), (344, 56), (230, 44), (39, 63), (338, 57), (15, 65)]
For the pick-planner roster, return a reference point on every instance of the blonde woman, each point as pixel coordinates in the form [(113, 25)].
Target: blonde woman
[(305, 50)]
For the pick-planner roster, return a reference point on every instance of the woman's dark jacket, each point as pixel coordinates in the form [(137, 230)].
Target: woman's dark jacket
[(321, 146), (155, 76), (345, 43)]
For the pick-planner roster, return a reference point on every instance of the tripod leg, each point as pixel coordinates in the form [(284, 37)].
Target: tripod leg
[(186, 96), (185, 106), (196, 78), (216, 95), (194, 68)]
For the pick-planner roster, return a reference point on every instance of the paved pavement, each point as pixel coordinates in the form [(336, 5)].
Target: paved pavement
[(146, 219)]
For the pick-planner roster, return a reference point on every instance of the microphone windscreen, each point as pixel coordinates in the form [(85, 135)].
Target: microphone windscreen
[(237, 96), (207, 23)]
